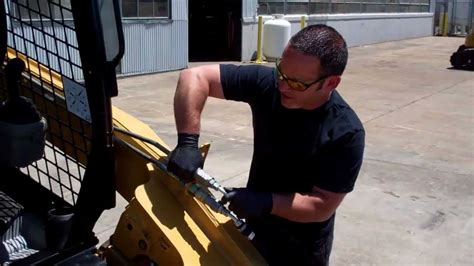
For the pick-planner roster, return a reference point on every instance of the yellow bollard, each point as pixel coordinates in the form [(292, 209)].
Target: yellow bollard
[(303, 22), (259, 40), (445, 22)]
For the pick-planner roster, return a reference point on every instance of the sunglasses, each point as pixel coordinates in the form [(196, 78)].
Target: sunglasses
[(293, 83)]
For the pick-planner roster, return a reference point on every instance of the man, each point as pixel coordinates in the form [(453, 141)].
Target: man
[(308, 143)]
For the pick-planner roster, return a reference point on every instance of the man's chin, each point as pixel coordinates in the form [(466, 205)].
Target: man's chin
[(288, 104)]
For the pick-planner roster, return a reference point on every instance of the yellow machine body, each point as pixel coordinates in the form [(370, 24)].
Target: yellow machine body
[(469, 42), (162, 222), (177, 229)]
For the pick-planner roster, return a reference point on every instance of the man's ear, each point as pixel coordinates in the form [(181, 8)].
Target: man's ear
[(331, 83)]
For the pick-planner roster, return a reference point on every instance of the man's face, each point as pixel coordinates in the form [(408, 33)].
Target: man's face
[(297, 67)]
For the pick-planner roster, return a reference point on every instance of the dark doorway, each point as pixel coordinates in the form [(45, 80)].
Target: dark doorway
[(215, 30)]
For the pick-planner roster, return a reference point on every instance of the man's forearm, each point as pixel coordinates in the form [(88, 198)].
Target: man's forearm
[(302, 208), (190, 97)]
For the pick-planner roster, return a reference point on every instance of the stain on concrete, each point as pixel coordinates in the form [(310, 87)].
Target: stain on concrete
[(435, 221), (453, 213), (379, 179), (414, 198), (391, 194)]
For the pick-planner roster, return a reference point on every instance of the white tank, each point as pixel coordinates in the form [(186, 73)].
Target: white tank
[(276, 34)]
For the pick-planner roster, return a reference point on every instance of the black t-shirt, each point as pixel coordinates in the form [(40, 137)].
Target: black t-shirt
[(296, 149)]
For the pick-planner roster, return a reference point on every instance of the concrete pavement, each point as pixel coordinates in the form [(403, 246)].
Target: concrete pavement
[(413, 201)]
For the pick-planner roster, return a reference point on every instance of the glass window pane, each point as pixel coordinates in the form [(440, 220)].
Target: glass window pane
[(296, 8), (145, 8), (319, 7), (373, 8), (391, 7), (404, 8), (42, 7), (129, 8), (271, 6), (338, 6), (414, 8), (353, 6), (32, 9), (277, 8), (61, 9), (161, 8), (263, 8)]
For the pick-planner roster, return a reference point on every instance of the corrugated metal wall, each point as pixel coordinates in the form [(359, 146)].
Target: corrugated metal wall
[(156, 45), (179, 9), (461, 16), (249, 8)]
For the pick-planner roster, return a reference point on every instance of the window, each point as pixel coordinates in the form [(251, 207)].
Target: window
[(373, 6), (296, 7), (338, 6), (271, 7), (146, 8), (341, 6), (45, 9), (320, 6)]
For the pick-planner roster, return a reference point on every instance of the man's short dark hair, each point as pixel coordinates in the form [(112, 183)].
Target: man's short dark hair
[(325, 43)]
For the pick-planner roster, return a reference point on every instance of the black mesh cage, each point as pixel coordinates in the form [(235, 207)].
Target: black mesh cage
[(42, 34)]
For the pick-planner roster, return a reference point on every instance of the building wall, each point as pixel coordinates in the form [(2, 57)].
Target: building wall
[(249, 8), (460, 16), (357, 29), (156, 45)]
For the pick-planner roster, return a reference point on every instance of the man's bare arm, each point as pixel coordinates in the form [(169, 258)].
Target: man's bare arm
[(317, 206), (194, 86)]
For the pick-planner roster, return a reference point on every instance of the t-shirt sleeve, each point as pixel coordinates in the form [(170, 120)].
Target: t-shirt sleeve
[(339, 166), (245, 83)]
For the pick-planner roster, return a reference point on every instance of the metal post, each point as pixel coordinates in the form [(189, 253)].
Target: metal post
[(445, 24), (453, 17), (470, 17), (98, 61), (3, 32), (259, 40), (446, 18)]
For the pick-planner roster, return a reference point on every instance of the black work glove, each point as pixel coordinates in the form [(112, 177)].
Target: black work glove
[(186, 158), (247, 203)]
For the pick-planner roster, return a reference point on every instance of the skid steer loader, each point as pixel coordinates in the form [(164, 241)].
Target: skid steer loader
[(65, 152), (463, 58)]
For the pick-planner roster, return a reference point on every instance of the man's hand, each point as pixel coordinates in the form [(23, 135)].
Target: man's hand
[(186, 158), (247, 203)]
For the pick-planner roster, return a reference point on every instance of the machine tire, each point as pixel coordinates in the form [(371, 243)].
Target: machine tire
[(463, 58)]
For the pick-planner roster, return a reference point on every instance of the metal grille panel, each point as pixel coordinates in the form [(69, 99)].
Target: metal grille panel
[(41, 33)]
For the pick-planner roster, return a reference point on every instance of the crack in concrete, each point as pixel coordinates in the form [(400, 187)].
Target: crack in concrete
[(391, 194)]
